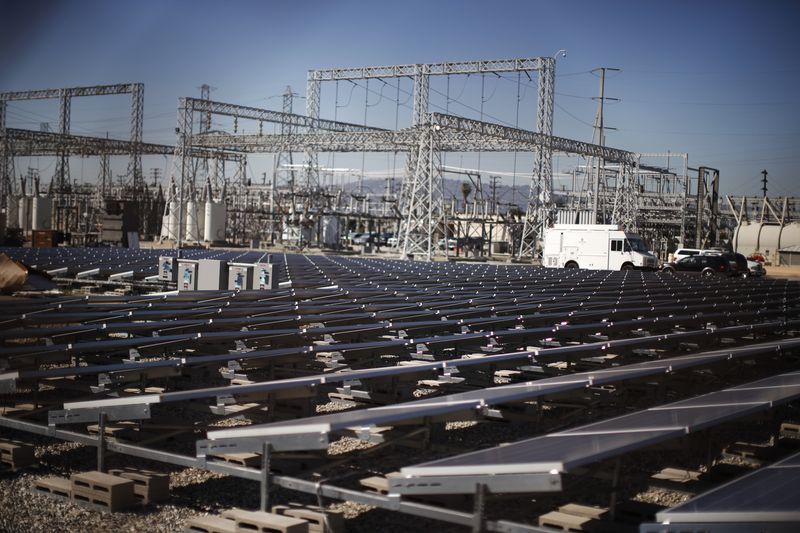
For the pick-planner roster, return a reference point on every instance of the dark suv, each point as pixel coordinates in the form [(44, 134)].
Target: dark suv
[(706, 265), (738, 262)]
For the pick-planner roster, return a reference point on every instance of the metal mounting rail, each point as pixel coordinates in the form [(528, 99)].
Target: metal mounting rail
[(325, 490)]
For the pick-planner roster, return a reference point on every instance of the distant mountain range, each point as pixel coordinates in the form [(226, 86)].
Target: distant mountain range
[(505, 195)]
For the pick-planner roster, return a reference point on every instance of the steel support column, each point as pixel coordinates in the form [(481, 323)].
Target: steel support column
[(539, 212), (423, 213)]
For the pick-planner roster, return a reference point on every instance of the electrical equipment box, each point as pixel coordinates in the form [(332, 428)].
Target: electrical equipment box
[(187, 274), (167, 268), (240, 276), (265, 278), (213, 275)]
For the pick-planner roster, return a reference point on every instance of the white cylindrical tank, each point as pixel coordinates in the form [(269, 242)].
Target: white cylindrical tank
[(766, 239), (746, 238), (24, 213), (769, 241), (201, 220), (214, 225), (191, 222), (330, 231), (790, 236), (41, 213), (172, 226), (165, 229), (12, 212)]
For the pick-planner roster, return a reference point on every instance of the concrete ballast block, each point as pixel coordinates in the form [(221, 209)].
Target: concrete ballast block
[(147, 486), (263, 522), (103, 489)]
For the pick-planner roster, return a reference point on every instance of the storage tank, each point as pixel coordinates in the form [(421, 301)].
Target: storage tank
[(164, 226), (24, 213), (172, 222), (790, 236), (12, 212), (191, 222), (214, 225), (201, 220), (41, 213), (330, 231), (572, 216), (767, 239)]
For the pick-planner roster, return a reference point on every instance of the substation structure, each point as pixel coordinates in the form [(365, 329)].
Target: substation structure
[(80, 210), (202, 201)]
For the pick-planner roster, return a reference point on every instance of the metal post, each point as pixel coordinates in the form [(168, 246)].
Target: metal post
[(479, 507), (600, 140), (101, 443), (184, 140), (684, 200), (701, 195), (614, 486), (265, 478)]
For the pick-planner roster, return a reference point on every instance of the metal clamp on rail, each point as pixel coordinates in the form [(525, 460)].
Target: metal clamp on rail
[(252, 440), (133, 355), (447, 375), (8, 382), (113, 409), (241, 347), (230, 372)]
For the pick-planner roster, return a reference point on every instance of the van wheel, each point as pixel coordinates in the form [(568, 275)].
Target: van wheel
[(668, 270), (708, 272), (627, 266), (571, 264)]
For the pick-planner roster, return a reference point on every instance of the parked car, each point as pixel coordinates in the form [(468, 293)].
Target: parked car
[(357, 238), (738, 264), (680, 253), (756, 268), (367, 238), (705, 265), (384, 237), (392, 242), (451, 244)]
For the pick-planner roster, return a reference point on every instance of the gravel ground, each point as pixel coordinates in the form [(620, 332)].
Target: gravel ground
[(197, 492)]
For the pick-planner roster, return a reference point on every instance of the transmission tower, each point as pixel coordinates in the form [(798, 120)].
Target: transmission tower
[(540, 206), (539, 213), (284, 162)]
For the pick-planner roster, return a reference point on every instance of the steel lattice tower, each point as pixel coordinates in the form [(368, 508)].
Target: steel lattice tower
[(540, 207), (539, 213)]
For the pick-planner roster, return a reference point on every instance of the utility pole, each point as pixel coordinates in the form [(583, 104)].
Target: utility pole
[(599, 136), (284, 161), (156, 173), (494, 194), (764, 182)]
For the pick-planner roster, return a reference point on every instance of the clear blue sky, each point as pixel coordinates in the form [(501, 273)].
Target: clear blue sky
[(717, 79)]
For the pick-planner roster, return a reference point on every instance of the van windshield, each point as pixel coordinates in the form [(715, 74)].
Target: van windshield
[(636, 245)]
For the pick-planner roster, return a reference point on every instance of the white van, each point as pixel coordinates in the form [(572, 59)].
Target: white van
[(595, 247)]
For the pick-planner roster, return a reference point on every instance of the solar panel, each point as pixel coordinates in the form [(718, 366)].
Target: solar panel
[(475, 401), (765, 498), (566, 450), (337, 311)]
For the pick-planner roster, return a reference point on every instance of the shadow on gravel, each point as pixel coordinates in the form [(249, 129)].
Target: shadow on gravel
[(219, 493)]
